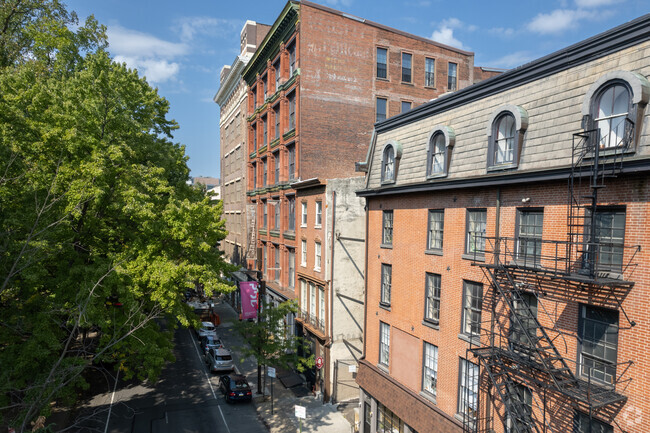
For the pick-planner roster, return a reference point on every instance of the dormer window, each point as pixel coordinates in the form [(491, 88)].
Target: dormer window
[(390, 161), (506, 132), (441, 140), (612, 108)]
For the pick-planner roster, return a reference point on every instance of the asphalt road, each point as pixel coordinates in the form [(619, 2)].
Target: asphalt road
[(186, 399)]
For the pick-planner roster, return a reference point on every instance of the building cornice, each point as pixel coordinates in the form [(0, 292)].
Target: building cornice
[(231, 81), (603, 44)]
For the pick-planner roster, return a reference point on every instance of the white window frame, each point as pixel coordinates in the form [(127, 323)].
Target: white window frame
[(429, 368), (303, 220), (303, 253), (317, 256), (384, 344), (318, 221)]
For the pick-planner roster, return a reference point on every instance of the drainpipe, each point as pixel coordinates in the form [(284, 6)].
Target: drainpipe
[(331, 300)]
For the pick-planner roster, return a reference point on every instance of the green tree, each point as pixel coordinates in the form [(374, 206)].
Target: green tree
[(269, 341), (94, 206)]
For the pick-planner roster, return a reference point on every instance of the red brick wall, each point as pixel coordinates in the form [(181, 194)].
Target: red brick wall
[(409, 264)]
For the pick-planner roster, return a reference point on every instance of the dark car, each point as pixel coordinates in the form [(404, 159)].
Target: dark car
[(235, 388)]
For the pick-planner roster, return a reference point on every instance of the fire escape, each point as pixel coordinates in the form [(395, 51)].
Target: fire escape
[(520, 347)]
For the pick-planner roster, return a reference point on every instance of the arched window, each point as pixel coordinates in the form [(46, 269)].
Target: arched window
[(388, 165), (506, 132), (505, 139), (441, 140), (612, 106)]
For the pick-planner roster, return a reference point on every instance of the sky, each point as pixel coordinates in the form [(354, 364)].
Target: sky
[(181, 46)]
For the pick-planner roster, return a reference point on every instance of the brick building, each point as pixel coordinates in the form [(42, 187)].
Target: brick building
[(232, 100), (507, 251), (316, 85)]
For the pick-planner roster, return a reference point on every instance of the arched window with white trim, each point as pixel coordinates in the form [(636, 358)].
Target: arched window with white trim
[(441, 140)]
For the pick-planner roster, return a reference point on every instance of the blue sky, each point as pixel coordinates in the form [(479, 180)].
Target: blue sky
[(181, 45)]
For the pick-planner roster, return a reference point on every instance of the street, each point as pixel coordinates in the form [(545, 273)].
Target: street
[(185, 399)]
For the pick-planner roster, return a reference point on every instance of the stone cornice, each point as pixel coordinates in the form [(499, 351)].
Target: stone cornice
[(231, 81)]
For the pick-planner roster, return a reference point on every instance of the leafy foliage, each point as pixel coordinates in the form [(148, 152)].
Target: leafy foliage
[(94, 205)]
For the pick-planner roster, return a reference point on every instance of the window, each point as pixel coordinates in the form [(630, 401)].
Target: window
[(254, 176), (292, 267), (525, 309), (254, 96), (384, 343), (435, 230), (472, 300), (430, 368), (317, 256), (441, 142), (278, 73), (276, 175), (292, 213), (303, 221), (278, 270), (265, 172), (452, 77), (521, 397), (612, 109), (319, 213), (387, 228), (598, 337), (303, 295), (468, 390), (321, 304), (265, 214), (276, 214), (312, 299), (388, 165), (255, 136), (386, 275), (585, 424), (529, 237), (276, 115), (406, 106), (476, 226), (292, 57), (265, 86), (406, 67), (505, 140), (382, 63), (292, 110), (609, 238), (381, 109), (264, 259), (429, 72), (387, 421), (432, 300), (292, 161), (303, 251)]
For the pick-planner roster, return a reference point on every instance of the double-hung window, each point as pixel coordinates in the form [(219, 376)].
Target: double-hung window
[(292, 110), (276, 115), (384, 343), (278, 270), (303, 219), (312, 300), (382, 104), (429, 72), (406, 106), (265, 173), (292, 267), (609, 239), (522, 397), (612, 109), (472, 306), (303, 295), (452, 77), (388, 165), (432, 298), (292, 213), (523, 324), (317, 256), (264, 213), (430, 368), (406, 67), (303, 253), (504, 144), (386, 277), (585, 424), (529, 237), (278, 73), (436, 154), (321, 306), (476, 226), (468, 390), (276, 214), (387, 228), (265, 131), (291, 149), (435, 230), (387, 421), (382, 63), (319, 214), (292, 58), (598, 335)]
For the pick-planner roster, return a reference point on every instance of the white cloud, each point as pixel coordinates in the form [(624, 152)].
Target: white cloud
[(338, 3), (511, 60), (153, 57), (502, 31), (189, 27), (559, 20), (445, 35)]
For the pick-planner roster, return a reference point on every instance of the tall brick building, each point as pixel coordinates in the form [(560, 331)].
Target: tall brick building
[(507, 251), (316, 85), (232, 100)]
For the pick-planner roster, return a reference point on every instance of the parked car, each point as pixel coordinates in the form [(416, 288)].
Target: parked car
[(206, 328), (235, 388), (210, 342), (219, 360)]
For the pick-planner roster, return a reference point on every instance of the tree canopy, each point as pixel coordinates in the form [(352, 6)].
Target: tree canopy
[(95, 212)]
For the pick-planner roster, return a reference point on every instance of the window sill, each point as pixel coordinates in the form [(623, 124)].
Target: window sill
[(388, 182), (436, 176), (382, 79), (502, 167), (430, 324), (473, 257), (429, 396), (463, 419), (318, 226), (383, 368), (385, 306), (303, 225), (303, 265), (386, 246), (316, 269), (471, 340), (435, 252), (430, 87), (408, 83)]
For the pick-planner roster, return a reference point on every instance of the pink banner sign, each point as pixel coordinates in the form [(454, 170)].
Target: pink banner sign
[(249, 299)]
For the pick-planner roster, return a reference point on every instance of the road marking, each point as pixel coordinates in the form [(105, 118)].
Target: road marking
[(209, 381), (110, 407)]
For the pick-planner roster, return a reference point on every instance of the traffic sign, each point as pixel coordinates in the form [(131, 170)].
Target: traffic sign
[(319, 362), (271, 372), (301, 412)]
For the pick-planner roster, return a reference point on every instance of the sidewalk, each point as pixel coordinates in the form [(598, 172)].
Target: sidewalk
[(321, 418)]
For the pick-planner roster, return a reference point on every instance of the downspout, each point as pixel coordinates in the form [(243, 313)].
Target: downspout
[(331, 302)]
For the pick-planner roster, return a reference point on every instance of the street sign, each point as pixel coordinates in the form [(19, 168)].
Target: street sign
[(319, 362), (271, 371), (301, 412)]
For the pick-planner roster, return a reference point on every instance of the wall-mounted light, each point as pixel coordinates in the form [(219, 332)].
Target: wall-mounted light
[(525, 200)]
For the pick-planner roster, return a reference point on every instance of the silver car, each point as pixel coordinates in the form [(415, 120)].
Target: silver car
[(219, 360), (206, 328)]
